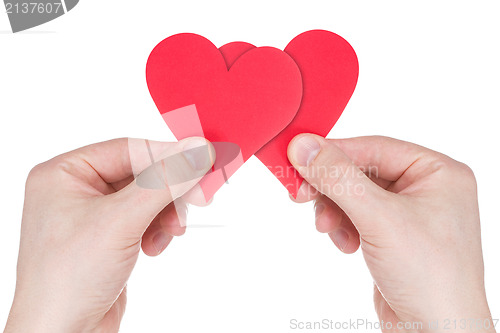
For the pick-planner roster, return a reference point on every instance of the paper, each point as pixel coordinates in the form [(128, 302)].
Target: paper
[(247, 105), (329, 68)]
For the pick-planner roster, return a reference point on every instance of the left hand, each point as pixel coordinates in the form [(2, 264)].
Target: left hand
[(83, 220)]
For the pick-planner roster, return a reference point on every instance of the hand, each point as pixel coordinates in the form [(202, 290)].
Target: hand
[(83, 220), (414, 212)]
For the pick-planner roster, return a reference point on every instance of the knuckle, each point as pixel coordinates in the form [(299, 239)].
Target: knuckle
[(62, 165), (465, 170), (440, 165), (465, 173), (35, 174), (52, 170), (454, 171), (36, 171)]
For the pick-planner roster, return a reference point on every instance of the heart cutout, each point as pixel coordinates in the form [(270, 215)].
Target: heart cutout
[(247, 105), (329, 68)]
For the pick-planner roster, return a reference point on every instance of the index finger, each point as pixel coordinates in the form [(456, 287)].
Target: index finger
[(383, 157), (119, 159)]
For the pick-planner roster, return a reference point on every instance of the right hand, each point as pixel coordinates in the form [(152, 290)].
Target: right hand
[(415, 214)]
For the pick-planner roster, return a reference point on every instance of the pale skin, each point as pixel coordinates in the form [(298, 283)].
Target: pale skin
[(85, 219)]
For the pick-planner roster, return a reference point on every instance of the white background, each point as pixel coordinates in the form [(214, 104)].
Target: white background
[(429, 73)]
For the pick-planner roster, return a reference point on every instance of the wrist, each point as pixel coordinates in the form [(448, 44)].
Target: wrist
[(482, 324), (478, 320), (29, 317), (463, 312)]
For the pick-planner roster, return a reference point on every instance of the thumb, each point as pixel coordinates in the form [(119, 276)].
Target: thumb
[(328, 169), (178, 171)]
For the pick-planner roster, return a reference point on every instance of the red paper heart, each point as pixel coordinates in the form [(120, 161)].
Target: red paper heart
[(247, 105), (329, 68)]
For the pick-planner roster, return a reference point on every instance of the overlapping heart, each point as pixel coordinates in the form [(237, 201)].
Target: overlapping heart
[(257, 98)]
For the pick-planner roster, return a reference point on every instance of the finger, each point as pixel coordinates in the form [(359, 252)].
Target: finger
[(196, 197), (326, 167), (141, 201), (155, 240), (383, 183), (306, 193), (374, 155), (170, 222), (346, 236), (328, 215), (117, 186), (116, 160), (173, 218), (392, 164), (383, 157), (332, 220), (111, 165)]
